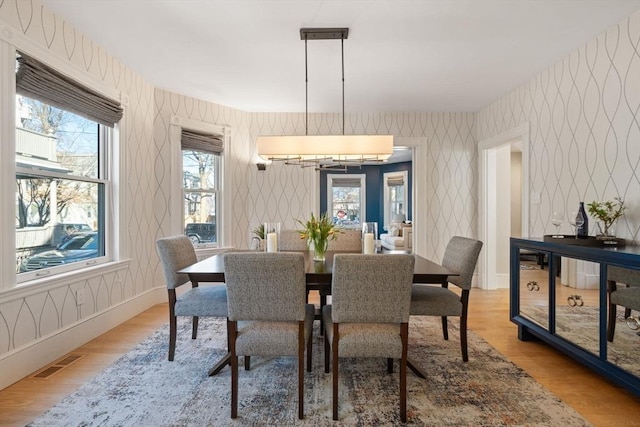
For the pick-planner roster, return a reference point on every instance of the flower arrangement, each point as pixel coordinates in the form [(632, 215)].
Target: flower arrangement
[(607, 212), (317, 231)]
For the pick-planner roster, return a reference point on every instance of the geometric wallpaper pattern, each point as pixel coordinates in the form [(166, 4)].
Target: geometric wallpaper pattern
[(584, 116), (588, 102)]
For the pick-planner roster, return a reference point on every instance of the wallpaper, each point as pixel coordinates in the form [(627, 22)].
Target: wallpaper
[(584, 129)]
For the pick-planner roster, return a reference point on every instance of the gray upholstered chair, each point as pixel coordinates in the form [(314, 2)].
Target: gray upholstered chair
[(628, 297), (350, 240), (369, 314), (460, 256), (290, 240), (175, 254), (267, 312)]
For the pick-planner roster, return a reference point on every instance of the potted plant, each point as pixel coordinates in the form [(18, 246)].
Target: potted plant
[(317, 232), (258, 239), (606, 213)]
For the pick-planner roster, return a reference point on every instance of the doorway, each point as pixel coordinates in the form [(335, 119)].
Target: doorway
[(504, 199)]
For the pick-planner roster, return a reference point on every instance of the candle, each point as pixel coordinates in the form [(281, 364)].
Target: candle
[(368, 243), (272, 242)]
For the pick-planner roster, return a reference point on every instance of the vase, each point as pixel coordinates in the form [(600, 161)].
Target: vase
[(608, 233), (319, 249)]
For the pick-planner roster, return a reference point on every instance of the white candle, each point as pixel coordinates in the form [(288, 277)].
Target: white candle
[(368, 243), (272, 242)]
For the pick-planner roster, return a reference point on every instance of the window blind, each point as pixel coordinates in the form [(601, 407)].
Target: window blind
[(41, 82), (395, 181), (192, 140), (345, 182)]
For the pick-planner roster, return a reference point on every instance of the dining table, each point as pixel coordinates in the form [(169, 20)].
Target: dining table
[(318, 277)]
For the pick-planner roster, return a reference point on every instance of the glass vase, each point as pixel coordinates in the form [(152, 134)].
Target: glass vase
[(319, 249)]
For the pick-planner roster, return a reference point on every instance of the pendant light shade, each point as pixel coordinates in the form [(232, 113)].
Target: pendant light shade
[(325, 151)]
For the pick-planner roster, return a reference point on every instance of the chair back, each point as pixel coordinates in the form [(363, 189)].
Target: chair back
[(461, 256), (265, 286), (290, 241), (624, 275), (349, 240), (175, 253), (371, 288)]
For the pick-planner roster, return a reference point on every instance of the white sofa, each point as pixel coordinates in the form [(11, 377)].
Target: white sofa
[(398, 238)]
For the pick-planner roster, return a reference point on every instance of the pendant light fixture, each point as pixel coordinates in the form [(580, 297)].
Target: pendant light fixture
[(325, 151)]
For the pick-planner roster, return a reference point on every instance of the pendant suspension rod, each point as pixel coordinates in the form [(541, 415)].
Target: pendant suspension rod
[(306, 90), (342, 48)]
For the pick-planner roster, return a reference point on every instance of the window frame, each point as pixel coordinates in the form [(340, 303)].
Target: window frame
[(363, 195), (12, 41), (387, 218)]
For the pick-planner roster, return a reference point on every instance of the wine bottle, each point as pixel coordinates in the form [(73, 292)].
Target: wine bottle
[(583, 230)]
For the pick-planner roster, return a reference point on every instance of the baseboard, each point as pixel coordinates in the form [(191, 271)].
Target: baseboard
[(25, 360), (502, 281)]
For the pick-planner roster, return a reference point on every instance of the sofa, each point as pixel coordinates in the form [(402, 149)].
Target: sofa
[(399, 237)]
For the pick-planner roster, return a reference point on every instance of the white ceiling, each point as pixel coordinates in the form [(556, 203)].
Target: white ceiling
[(401, 56)]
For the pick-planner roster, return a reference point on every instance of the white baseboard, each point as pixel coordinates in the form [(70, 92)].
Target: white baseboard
[(25, 360), (502, 281)]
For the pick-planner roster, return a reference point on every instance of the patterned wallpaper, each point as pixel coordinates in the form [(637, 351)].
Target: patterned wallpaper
[(584, 128)]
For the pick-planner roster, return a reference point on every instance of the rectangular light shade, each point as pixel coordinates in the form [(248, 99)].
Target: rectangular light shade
[(337, 147)]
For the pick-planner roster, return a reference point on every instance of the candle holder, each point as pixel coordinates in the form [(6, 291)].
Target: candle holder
[(369, 237), (271, 236)]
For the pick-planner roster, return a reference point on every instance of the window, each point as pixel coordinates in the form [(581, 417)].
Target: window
[(395, 198), (201, 164), (62, 173), (346, 199)]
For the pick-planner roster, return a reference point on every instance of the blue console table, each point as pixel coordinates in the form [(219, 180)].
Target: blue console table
[(530, 329)]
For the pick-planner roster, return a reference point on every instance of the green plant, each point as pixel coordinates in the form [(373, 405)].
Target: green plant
[(259, 231), (607, 212), (317, 229)]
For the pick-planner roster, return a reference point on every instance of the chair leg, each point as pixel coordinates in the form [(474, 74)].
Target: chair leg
[(233, 326), (390, 365), (309, 353), (194, 327), (335, 370), (404, 335), (247, 363), (327, 349), (627, 313), (323, 302), (611, 321), (463, 325), (445, 329), (301, 347), (173, 326)]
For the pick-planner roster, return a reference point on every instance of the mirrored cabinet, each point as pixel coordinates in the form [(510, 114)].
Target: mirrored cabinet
[(582, 300)]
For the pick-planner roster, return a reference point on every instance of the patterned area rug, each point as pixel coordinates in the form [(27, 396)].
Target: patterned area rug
[(143, 389)]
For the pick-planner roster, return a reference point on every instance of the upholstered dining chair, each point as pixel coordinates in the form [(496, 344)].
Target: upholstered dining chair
[(460, 256), (369, 314), (627, 297), (268, 315), (290, 241), (176, 253), (349, 240)]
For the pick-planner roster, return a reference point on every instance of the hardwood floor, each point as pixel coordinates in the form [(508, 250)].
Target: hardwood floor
[(599, 401)]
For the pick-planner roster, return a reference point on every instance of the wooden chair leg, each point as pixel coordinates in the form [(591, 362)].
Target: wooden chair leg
[(327, 349), (463, 325), (247, 363), (234, 369), (404, 335), (309, 353), (173, 326), (611, 321), (194, 327), (301, 347), (627, 313), (390, 365), (335, 370), (445, 329)]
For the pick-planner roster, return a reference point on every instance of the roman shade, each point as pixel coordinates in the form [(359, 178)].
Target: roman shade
[(192, 140), (346, 182), (39, 81)]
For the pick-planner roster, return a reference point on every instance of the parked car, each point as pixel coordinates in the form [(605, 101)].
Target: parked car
[(80, 247), (200, 232)]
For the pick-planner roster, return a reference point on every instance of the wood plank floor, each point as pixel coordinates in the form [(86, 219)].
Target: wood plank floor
[(599, 401)]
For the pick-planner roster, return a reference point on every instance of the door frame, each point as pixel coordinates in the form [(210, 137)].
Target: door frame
[(488, 257)]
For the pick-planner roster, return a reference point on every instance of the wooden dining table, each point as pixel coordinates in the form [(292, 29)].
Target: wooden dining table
[(318, 277)]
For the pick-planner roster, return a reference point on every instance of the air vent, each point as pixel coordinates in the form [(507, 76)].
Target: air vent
[(57, 366)]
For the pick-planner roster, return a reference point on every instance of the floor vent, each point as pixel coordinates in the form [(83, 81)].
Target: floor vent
[(57, 366)]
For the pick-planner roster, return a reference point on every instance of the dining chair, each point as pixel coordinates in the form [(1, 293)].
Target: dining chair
[(290, 241), (349, 240), (176, 253), (369, 314), (627, 297), (460, 256), (268, 315)]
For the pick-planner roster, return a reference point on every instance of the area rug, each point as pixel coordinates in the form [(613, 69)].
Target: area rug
[(580, 325), (143, 389)]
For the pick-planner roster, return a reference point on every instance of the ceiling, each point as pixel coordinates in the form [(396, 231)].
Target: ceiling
[(400, 56)]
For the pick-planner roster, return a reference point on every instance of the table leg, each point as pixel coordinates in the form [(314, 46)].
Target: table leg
[(416, 369), (226, 360)]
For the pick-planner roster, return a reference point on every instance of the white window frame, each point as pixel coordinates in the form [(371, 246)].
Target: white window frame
[(12, 40), (177, 200), (363, 194), (386, 200)]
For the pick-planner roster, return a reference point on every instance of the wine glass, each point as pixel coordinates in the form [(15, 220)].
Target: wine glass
[(578, 221), (557, 219), (572, 221)]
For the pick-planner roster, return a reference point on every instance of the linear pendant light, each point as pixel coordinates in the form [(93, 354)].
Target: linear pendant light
[(325, 151)]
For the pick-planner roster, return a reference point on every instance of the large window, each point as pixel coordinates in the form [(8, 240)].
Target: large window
[(395, 198), (201, 165), (63, 134), (346, 199)]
